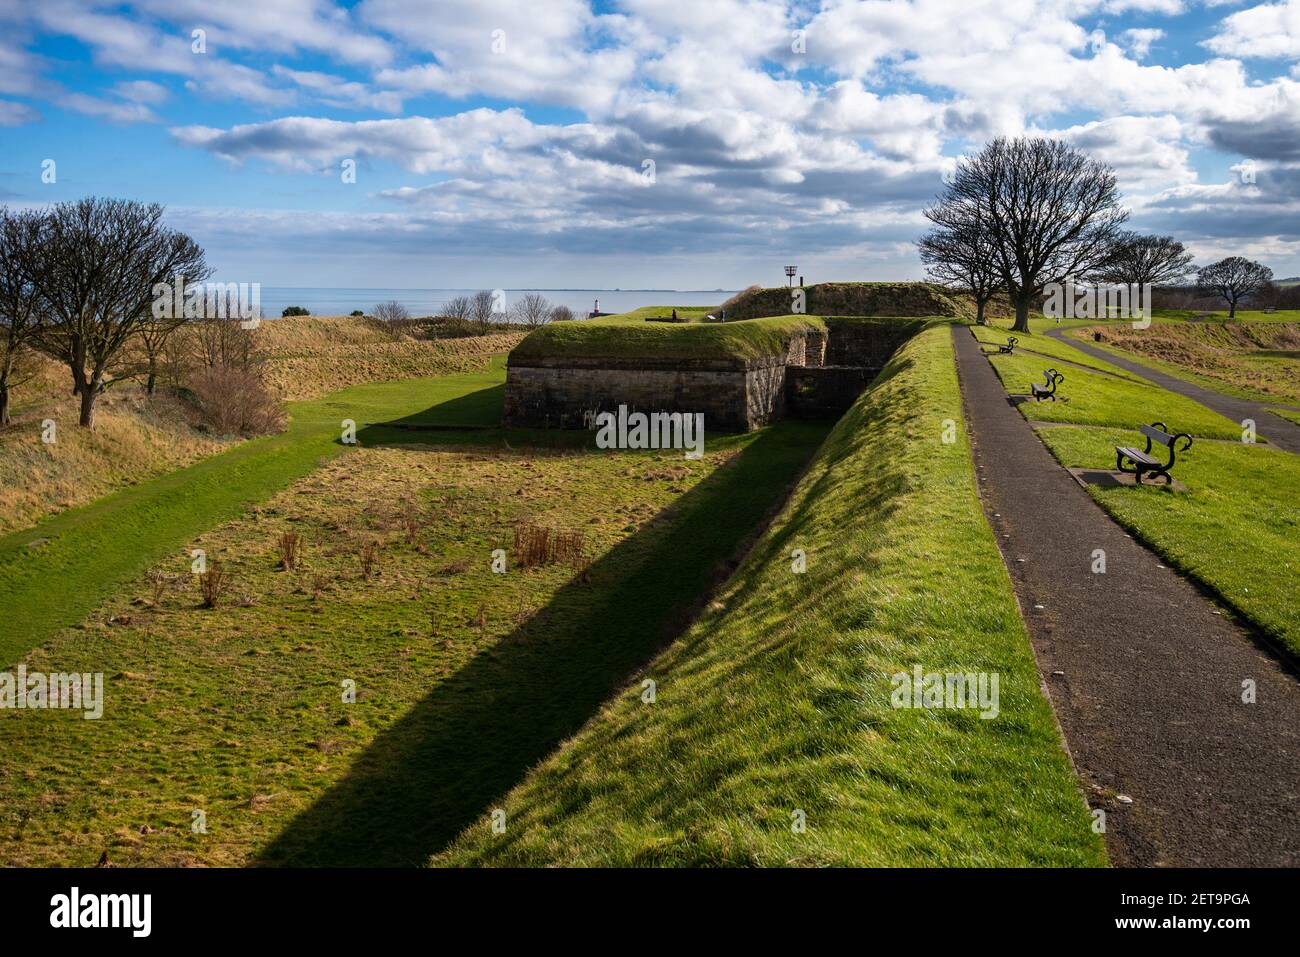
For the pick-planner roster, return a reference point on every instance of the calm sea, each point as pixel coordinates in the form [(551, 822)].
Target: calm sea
[(428, 302)]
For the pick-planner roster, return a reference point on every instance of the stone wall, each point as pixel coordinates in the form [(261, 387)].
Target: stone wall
[(826, 392), (567, 393), (820, 374)]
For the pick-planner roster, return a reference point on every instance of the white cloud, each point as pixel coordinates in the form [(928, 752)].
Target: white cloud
[(1268, 30)]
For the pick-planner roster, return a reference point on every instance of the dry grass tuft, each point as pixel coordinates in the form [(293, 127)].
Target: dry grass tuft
[(212, 585), (290, 545), (539, 545)]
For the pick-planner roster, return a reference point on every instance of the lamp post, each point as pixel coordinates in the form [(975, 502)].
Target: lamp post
[(789, 274)]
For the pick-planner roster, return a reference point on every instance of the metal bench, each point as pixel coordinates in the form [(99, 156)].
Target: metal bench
[(1143, 463), (1048, 389), (1010, 345)]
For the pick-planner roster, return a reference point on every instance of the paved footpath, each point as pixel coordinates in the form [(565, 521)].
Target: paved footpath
[(1279, 431), (1145, 677)]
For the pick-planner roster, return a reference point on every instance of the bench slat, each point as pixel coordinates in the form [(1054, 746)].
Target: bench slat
[(1155, 435), (1136, 455)]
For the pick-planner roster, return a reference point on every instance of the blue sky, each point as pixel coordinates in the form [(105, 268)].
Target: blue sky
[(507, 144)]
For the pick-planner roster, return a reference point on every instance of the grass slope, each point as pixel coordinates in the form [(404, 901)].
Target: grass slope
[(990, 336), (1235, 528), (465, 678), (599, 339), (1257, 360), (56, 572), (778, 699), (1096, 399)]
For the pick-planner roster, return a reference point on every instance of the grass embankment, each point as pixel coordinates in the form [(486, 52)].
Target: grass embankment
[(135, 438), (464, 678), (1050, 349), (688, 313), (58, 571), (598, 339), (306, 357), (1252, 360), (778, 699), (1235, 528), (1097, 399), (913, 299)]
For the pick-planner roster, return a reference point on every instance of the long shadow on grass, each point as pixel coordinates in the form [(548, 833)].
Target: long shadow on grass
[(441, 765), (481, 408)]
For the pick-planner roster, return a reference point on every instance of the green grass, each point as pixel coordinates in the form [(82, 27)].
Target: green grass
[(465, 678), (600, 339), (1096, 399), (989, 336), (1235, 528), (639, 316), (1221, 315), (778, 698), (1291, 415), (83, 555), (1225, 358)]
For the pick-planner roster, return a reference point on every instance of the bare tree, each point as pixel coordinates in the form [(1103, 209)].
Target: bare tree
[(1234, 279), (21, 236), (481, 309), (960, 254), (532, 310), (561, 314), (224, 343), (459, 308), (104, 258), (1137, 260), (392, 313), (1048, 211)]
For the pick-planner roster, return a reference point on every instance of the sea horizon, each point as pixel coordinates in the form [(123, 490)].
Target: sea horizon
[(342, 300)]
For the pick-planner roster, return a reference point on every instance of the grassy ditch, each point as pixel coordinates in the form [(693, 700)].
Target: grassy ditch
[(775, 707)]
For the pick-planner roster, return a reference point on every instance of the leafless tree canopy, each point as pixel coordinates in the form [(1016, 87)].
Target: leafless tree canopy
[(1234, 279), (459, 308), (561, 314), (101, 262), (960, 254), (1142, 260), (1047, 211), (392, 312), (532, 310), (21, 236), (481, 308)]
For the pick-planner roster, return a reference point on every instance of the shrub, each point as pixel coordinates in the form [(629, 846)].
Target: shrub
[(368, 554), (295, 311), (235, 401), (290, 545), (212, 585), (562, 314), (356, 313)]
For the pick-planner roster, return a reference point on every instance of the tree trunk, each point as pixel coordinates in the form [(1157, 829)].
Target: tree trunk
[(1232, 309), (153, 376), (4, 403), (1022, 313), (89, 393), (979, 312)]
